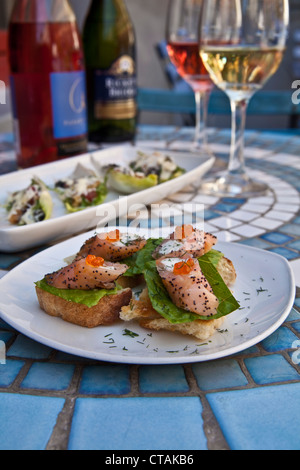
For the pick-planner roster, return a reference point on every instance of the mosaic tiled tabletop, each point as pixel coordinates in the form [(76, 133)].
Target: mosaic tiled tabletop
[(50, 400)]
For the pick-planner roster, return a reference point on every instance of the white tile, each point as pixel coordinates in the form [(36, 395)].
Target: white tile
[(243, 216), (285, 159), (253, 152), (268, 224), (205, 199), (165, 211), (288, 200), (181, 197), (258, 208), (220, 148), (285, 208), (225, 222), (287, 191), (248, 231), (267, 200), (226, 236), (295, 265), (209, 228), (279, 215)]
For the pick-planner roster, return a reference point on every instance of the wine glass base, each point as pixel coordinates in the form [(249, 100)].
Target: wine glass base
[(233, 186)]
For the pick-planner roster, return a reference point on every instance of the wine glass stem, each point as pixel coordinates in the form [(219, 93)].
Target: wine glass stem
[(201, 99), (237, 161)]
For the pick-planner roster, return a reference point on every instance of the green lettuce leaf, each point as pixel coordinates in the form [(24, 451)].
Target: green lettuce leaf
[(128, 184), (99, 199), (46, 204), (138, 261), (227, 302), (178, 172), (85, 297), (160, 299)]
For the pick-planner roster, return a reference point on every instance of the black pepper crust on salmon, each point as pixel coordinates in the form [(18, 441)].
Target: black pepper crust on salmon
[(84, 276), (112, 246)]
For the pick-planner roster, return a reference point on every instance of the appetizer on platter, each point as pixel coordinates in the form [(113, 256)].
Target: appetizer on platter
[(146, 171), (80, 190), (85, 292), (30, 205), (185, 289)]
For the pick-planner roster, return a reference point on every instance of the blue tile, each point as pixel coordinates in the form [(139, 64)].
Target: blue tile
[(5, 325), (285, 252), (296, 326), (251, 350), (9, 372), (209, 215), (160, 379), (270, 369), (281, 339), (227, 208), (294, 314), (26, 347), (259, 418), (27, 421), (105, 379), (291, 229), (219, 374), (48, 376), (256, 243), (276, 237), (235, 201), (8, 260), (295, 245), (295, 354), (137, 423), (5, 336)]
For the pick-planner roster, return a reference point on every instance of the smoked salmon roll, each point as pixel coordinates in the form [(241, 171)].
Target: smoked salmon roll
[(112, 246), (87, 273), (187, 286), (185, 240)]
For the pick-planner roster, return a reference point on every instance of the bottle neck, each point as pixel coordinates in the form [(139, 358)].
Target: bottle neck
[(42, 11), (107, 10)]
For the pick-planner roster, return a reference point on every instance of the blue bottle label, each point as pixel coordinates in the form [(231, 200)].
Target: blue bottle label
[(69, 104)]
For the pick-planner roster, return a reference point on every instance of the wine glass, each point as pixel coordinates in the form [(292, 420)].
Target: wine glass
[(183, 50), (242, 44)]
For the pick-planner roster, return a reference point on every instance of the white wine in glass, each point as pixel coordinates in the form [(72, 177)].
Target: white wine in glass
[(183, 50), (242, 44)]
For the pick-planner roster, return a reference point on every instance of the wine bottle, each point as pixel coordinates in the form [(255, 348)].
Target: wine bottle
[(48, 82), (110, 56)]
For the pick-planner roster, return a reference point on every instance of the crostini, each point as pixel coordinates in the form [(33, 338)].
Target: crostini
[(185, 291), (85, 292)]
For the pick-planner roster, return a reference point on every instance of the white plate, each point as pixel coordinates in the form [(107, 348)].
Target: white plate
[(265, 289), (62, 225)]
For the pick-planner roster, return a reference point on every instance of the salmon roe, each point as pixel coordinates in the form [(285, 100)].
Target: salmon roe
[(183, 232), (113, 236), (184, 267), (94, 261)]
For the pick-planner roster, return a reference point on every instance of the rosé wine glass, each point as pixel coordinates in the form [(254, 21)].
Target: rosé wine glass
[(183, 50)]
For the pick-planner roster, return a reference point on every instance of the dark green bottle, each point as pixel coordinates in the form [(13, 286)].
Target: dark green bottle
[(110, 56)]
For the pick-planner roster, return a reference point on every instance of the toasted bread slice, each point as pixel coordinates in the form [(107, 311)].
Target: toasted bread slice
[(226, 269), (104, 313), (142, 311)]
